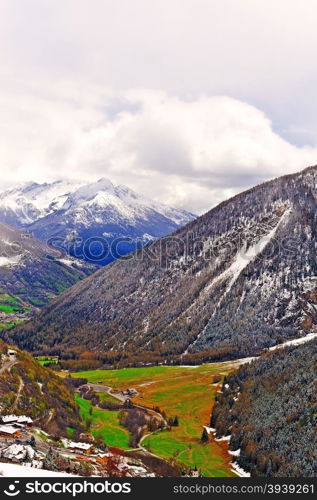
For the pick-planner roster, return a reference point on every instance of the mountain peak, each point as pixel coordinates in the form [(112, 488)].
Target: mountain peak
[(88, 191), (104, 183)]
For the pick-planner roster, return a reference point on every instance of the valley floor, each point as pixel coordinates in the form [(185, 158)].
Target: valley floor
[(185, 392), (104, 424)]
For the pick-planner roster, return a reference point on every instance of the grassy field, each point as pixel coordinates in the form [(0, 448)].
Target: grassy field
[(11, 307), (103, 396), (105, 424), (46, 360), (187, 392)]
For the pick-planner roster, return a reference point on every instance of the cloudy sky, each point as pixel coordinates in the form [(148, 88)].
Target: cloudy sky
[(186, 101)]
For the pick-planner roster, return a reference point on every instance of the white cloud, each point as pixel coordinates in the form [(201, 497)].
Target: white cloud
[(68, 109), (188, 153), (259, 51)]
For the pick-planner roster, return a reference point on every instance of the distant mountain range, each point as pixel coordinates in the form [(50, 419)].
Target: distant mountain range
[(236, 280), (97, 222), (32, 273)]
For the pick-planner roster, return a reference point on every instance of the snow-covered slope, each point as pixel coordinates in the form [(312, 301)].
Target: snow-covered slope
[(32, 273), (27, 203), (240, 278), (17, 471), (70, 215)]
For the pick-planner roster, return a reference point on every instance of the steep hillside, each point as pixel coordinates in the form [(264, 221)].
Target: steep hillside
[(32, 273), (26, 388), (240, 278), (269, 408), (97, 222)]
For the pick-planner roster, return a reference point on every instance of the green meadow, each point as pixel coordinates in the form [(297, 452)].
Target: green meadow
[(104, 423), (187, 392)]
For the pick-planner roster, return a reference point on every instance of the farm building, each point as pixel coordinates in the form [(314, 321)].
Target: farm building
[(23, 419), (9, 419), (83, 447), (16, 419), (18, 453), (130, 392), (9, 431)]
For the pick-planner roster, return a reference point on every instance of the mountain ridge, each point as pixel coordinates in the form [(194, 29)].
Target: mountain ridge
[(96, 221), (32, 273), (239, 278)]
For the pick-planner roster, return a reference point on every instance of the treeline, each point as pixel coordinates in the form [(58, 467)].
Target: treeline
[(269, 408), (85, 361)]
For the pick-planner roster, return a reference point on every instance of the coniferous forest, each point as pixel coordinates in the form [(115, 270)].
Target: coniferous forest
[(269, 408)]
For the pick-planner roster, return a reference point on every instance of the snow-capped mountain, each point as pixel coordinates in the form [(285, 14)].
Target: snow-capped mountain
[(98, 222), (238, 279), (27, 203)]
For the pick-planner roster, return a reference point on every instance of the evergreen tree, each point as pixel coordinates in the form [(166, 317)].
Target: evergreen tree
[(204, 437)]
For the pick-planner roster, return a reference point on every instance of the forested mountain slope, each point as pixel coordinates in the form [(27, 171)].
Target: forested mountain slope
[(237, 279), (269, 408), (26, 388), (31, 272)]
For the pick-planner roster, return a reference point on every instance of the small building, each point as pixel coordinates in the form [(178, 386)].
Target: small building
[(130, 392), (15, 419), (194, 472), (18, 453), (9, 419), (24, 420), (82, 447), (9, 431), (12, 354)]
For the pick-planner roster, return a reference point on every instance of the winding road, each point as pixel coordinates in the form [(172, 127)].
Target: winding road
[(7, 364), (120, 397)]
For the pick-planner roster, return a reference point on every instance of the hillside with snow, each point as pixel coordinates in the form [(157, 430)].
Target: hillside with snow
[(97, 222), (267, 412), (32, 273), (241, 278)]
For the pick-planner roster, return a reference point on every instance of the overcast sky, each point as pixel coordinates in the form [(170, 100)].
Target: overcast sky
[(185, 101)]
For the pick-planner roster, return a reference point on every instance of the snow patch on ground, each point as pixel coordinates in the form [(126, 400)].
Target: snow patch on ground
[(245, 256), (210, 430), (301, 340), (13, 470), (189, 366), (242, 259), (239, 471), (10, 261), (67, 262), (223, 438), (235, 453)]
